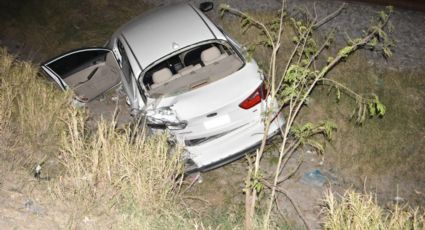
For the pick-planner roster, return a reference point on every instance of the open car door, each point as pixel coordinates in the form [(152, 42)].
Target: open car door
[(88, 72)]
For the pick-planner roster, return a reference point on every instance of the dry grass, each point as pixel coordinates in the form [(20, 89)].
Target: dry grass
[(360, 211), (31, 109), (116, 168), (115, 171), (105, 171)]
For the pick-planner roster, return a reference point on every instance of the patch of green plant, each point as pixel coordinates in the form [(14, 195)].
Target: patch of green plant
[(389, 144)]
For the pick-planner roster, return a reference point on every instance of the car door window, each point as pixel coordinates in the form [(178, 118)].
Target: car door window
[(89, 72), (72, 62), (124, 62)]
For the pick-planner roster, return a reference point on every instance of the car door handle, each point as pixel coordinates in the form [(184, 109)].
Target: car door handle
[(92, 74)]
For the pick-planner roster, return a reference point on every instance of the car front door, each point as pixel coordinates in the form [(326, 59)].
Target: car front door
[(88, 72)]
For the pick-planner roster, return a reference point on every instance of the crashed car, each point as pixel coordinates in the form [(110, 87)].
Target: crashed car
[(184, 74)]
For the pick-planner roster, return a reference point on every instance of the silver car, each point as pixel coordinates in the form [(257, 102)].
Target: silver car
[(185, 74)]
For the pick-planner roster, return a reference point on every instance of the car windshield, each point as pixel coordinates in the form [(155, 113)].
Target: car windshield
[(192, 68)]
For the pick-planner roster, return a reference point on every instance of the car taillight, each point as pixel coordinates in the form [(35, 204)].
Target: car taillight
[(259, 94)]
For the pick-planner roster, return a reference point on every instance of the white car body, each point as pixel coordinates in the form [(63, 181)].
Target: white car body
[(184, 74)]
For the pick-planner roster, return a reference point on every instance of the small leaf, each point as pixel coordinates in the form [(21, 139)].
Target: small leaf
[(381, 109), (387, 52), (329, 128), (372, 109), (373, 42)]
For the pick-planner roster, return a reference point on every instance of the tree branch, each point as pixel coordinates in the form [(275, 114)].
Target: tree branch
[(329, 17), (285, 193), (292, 172)]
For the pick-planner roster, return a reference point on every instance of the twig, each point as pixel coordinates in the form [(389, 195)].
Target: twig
[(292, 172), (320, 49), (196, 198), (250, 196), (180, 183), (285, 193), (291, 57), (306, 35), (297, 209), (330, 16), (280, 211), (255, 22), (347, 90), (192, 183), (291, 151)]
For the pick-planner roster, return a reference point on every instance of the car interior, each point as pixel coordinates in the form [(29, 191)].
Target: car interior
[(191, 69), (88, 73)]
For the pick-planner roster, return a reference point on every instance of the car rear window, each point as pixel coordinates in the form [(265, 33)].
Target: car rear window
[(192, 68)]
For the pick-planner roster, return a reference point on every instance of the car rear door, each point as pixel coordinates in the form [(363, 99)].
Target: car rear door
[(88, 72)]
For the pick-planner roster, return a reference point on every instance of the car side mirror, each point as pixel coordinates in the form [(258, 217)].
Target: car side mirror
[(206, 6)]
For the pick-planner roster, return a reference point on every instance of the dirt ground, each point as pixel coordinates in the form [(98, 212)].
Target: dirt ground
[(29, 203)]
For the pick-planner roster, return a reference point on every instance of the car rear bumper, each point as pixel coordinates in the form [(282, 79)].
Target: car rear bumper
[(231, 146)]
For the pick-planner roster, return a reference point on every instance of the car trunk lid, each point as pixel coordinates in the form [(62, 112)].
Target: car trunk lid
[(214, 109)]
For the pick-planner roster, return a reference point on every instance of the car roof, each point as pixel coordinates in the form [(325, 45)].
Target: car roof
[(158, 33)]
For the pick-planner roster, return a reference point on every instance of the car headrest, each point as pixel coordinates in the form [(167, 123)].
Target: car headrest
[(162, 75), (210, 54)]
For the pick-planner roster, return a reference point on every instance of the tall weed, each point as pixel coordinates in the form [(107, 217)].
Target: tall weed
[(106, 170), (360, 211), (117, 166), (31, 108)]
